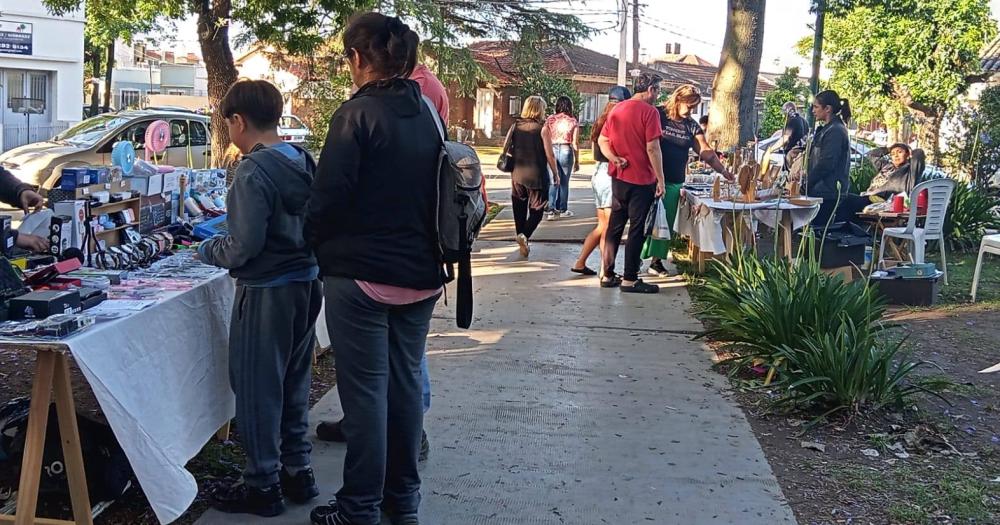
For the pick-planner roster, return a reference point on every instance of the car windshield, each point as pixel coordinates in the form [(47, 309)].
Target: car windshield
[(90, 131), (291, 123)]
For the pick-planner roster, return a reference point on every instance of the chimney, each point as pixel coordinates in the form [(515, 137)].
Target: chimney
[(168, 57), (677, 48)]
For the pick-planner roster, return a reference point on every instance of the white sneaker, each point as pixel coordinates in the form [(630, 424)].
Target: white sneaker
[(552, 216), (522, 242), (566, 213)]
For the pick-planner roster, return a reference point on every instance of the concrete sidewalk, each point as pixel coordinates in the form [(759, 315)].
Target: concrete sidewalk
[(571, 404)]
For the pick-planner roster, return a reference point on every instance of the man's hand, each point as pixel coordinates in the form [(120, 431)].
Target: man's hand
[(729, 175), (659, 189), (33, 243), (620, 162), (31, 199)]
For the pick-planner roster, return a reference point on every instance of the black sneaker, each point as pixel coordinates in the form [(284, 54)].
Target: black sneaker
[(640, 287), (328, 515), (301, 487), (241, 498), (395, 518), (425, 447), (331, 431), (657, 269)]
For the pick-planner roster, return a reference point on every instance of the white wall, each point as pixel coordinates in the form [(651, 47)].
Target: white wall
[(57, 48), (258, 67)]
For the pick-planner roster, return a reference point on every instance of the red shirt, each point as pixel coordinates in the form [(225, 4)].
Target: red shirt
[(432, 88), (630, 126)]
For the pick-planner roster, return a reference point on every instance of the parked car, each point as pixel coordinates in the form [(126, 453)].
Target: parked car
[(90, 143), (100, 110), (293, 130)]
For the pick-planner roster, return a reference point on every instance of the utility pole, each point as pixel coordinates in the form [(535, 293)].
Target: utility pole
[(817, 53), (635, 33), (623, 44)]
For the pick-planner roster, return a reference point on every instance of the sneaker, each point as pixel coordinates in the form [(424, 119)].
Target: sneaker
[(522, 242), (552, 216), (331, 431), (328, 515), (640, 287), (657, 269), (425, 447), (301, 487), (566, 213), (241, 498), (396, 518)]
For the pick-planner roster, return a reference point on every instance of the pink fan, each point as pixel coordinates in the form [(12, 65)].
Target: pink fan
[(157, 138)]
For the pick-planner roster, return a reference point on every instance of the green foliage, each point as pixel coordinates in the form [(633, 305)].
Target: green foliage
[(971, 212), (536, 81), (975, 149), (788, 88), (851, 369), (920, 57), (862, 175)]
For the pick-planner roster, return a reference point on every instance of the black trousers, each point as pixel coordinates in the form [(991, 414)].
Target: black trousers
[(629, 203), (529, 208)]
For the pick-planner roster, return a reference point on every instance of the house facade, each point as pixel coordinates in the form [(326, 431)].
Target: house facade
[(142, 76), (41, 72)]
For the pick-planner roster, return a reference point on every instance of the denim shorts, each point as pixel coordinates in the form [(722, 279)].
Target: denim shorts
[(601, 182)]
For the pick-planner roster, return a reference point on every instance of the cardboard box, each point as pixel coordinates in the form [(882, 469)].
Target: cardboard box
[(151, 185), (76, 210), (73, 178)]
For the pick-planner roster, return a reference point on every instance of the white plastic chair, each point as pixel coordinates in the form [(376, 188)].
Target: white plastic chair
[(938, 198), (990, 244)]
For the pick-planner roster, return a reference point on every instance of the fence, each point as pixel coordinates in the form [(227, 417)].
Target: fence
[(19, 135)]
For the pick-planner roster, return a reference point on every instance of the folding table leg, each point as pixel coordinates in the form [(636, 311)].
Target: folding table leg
[(69, 432), (34, 443)]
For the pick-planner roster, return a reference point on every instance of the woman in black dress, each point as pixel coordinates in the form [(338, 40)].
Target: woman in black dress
[(530, 178)]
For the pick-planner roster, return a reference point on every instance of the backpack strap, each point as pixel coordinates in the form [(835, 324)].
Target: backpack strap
[(435, 117)]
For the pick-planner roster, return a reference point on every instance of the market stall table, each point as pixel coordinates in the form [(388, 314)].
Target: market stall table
[(712, 225), (160, 376)]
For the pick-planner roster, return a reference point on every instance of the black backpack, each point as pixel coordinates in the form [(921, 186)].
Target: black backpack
[(461, 212)]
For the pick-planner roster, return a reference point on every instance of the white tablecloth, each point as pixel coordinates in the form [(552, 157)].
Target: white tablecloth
[(161, 377), (701, 218)]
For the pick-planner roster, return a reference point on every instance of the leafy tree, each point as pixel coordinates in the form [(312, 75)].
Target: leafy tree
[(974, 150), (788, 88), (735, 87), (921, 57)]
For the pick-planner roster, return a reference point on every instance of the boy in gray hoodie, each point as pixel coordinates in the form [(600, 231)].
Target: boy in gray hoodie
[(278, 297)]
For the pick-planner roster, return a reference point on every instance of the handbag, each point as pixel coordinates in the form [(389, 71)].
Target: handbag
[(505, 162)]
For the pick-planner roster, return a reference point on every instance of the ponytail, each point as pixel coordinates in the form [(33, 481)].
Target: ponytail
[(845, 110), (840, 106), (385, 43)]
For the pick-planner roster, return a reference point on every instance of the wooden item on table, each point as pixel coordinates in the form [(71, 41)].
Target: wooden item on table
[(794, 189), (805, 201), (717, 189), (747, 181)]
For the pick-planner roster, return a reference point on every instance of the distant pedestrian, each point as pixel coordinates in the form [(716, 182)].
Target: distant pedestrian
[(703, 122), (371, 222), (562, 134), (681, 134), (532, 165), (272, 336), (631, 142), (601, 183)]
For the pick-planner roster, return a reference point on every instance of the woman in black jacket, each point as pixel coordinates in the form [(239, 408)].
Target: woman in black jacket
[(534, 165), (371, 221), (829, 155)]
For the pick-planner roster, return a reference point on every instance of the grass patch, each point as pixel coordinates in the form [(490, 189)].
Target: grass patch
[(925, 495), (961, 268)]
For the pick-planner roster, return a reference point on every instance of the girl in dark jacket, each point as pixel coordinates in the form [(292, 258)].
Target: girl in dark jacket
[(829, 155), (371, 221), (533, 164)]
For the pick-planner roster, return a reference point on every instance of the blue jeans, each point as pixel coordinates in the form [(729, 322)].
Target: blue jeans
[(565, 162), (425, 378), (379, 349)]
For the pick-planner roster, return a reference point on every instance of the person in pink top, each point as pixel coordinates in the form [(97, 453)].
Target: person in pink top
[(561, 135), (433, 89)]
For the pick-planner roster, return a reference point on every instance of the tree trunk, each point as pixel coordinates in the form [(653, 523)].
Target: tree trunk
[(95, 88), (732, 114), (213, 35), (930, 134), (109, 68)]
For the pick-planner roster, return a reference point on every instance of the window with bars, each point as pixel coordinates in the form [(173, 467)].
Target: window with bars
[(39, 88), (514, 104), (129, 98), (15, 87), (593, 106)]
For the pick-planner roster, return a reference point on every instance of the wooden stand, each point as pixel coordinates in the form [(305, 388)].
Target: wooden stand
[(51, 374)]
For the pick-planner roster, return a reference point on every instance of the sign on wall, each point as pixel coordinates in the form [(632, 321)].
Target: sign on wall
[(15, 38)]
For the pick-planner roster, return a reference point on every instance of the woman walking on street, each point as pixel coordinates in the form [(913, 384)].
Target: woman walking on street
[(381, 271), (561, 134), (601, 183), (530, 178), (680, 134)]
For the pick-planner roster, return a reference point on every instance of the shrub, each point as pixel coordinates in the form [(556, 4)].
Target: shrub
[(862, 175), (850, 369), (970, 213)]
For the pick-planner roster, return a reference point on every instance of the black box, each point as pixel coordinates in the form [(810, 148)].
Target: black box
[(41, 304), (91, 297), (843, 245), (909, 292)]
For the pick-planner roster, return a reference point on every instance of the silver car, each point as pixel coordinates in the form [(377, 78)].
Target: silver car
[(90, 143)]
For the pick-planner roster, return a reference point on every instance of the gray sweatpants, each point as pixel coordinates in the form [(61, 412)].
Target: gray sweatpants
[(271, 341)]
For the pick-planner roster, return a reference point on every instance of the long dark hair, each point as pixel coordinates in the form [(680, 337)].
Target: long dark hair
[(385, 43), (840, 106), (595, 133), (564, 105)]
